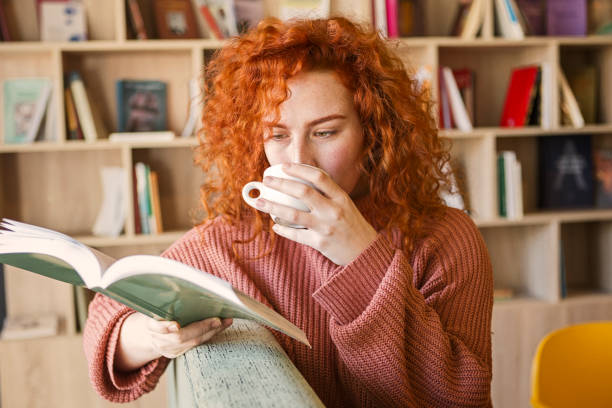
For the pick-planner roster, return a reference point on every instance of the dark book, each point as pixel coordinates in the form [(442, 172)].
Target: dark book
[(522, 104), (4, 30), (566, 17), (411, 18), (2, 297), (534, 13), (565, 172), (141, 105), (602, 159), (583, 81), (137, 23), (463, 9), (175, 19)]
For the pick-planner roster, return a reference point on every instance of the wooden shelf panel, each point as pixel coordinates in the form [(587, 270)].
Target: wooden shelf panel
[(549, 217), (528, 131), (97, 145)]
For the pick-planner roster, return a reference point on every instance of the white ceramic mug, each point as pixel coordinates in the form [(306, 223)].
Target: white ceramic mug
[(274, 195)]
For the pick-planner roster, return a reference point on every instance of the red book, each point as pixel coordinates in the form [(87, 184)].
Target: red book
[(211, 22), (522, 87), (137, 20), (392, 18)]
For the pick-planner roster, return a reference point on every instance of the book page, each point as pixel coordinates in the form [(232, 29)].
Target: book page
[(244, 366)]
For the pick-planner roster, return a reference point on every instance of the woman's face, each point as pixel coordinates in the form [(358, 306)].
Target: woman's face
[(320, 127)]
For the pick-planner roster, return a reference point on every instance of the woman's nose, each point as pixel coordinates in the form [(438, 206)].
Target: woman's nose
[(300, 153)]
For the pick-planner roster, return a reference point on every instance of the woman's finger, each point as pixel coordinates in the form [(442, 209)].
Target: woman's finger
[(316, 176), (287, 214)]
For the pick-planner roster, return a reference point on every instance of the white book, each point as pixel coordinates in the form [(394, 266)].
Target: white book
[(81, 103), (380, 17), (39, 112), (141, 193), (112, 214), (569, 104), (142, 137), (195, 109), (508, 19), (63, 21), (50, 130), (546, 88), (510, 184), (460, 115), (474, 19), (518, 189)]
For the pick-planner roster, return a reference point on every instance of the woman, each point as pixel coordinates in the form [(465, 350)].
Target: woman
[(392, 288)]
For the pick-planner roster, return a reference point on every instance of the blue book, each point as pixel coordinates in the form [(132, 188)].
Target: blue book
[(141, 105)]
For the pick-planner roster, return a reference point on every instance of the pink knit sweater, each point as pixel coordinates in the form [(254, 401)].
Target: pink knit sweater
[(386, 330)]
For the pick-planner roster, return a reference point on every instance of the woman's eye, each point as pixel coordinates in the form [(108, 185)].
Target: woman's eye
[(324, 133), (278, 136)]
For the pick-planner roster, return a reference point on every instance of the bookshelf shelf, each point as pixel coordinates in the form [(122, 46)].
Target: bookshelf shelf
[(57, 184)]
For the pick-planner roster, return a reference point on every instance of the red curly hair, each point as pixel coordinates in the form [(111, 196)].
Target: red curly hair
[(403, 156)]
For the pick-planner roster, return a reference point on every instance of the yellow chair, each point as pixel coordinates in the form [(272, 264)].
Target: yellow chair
[(573, 367)]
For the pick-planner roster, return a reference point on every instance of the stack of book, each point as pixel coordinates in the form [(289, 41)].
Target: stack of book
[(456, 98), (399, 18), (510, 185), (147, 208), (83, 120)]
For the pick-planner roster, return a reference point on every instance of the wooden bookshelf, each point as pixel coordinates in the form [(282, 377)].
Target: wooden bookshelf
[(57, 184)]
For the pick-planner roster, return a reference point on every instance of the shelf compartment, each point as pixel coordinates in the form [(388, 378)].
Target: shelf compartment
[(525, 259), (492, 67), (586, 257), (573, 59), (179, 185), (101, 69), (59, 190)]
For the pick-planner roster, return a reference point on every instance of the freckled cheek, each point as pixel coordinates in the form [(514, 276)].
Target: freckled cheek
[(342, 164)]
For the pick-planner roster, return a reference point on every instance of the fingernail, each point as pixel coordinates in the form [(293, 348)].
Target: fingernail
[(216, 324), (173, 328)]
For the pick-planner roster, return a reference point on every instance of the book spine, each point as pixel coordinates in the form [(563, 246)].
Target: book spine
[(150, 217), (380, 16), (392, 18), (141, 186), (456, 103), (155, 202), (74, 132), (137, 20), (213, 28), (501, 186), (136, 207), (83, 108), (566, 17), (4, 31), (39, 112)]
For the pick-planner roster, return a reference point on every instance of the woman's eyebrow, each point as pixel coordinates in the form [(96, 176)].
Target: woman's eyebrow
[(313, 122)]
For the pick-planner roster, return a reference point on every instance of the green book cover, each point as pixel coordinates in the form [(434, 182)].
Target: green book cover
[(501, 186), (155, 286), (20, 97)]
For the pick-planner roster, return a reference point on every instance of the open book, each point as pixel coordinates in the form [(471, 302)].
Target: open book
[(158, 287)]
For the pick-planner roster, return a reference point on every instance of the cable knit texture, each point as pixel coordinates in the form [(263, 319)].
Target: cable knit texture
[(386, 330)]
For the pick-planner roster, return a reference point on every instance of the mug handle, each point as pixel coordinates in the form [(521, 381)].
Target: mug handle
[(248, 187)]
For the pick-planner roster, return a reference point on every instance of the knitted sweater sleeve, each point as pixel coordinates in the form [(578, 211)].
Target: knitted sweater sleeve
[(416, 333)]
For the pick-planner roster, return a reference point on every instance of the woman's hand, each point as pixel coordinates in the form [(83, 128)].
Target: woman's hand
[(334, 225), (143, 339)]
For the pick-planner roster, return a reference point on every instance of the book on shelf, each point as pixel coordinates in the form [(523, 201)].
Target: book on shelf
[(522, 103), (411, 18), (465, 78), (63, 21), (566, 17), (49, 128), (2, 297), (305, 8), (584, 82), (224, 15), (392, 8), (89, 118), (141, 105), (249, 13), (112, 213), (23, 327), (508, 19), (599, 17), (73, 128), (175, 19), (501, 294), (142, 137), (565, 172), (25, 104), (5, 35), (509, 185), (194, 116), (457, 107), (570, 110), (82, 298), (158, 287), (602, 161), (534, 13), (206, 22), (136, 19), (469, 18), (147, 195), (379, 16)]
